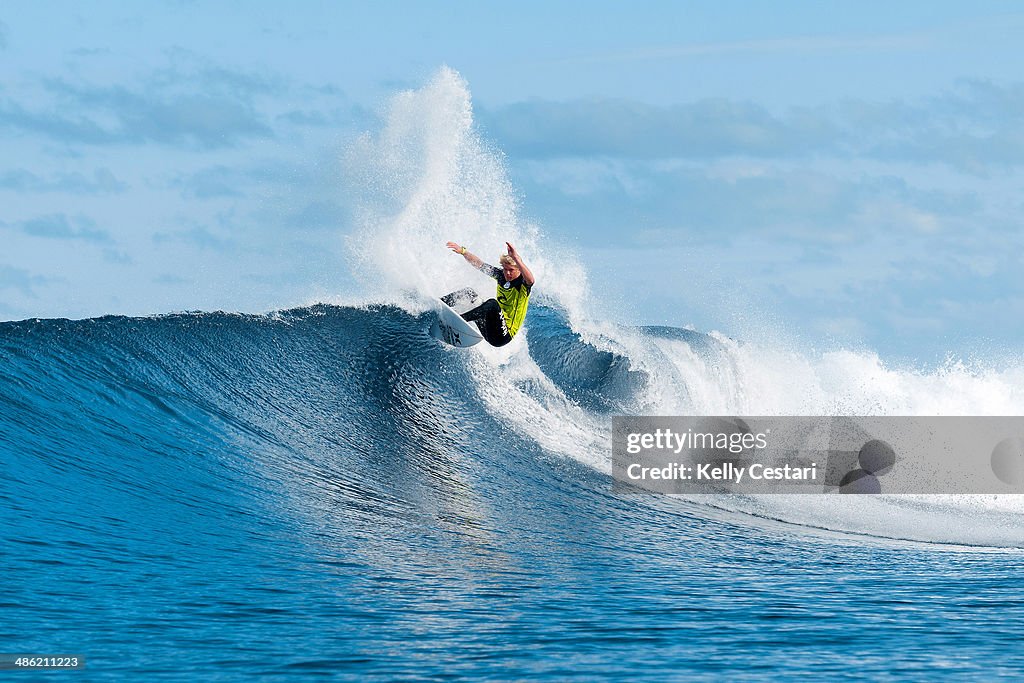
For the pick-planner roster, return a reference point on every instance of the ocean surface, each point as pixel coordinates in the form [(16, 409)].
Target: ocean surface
[(328, 492)]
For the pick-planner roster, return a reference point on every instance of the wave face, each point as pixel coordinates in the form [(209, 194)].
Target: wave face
[(329, 489)]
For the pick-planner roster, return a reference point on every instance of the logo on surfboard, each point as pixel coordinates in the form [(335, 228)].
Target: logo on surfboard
[(450, 335)]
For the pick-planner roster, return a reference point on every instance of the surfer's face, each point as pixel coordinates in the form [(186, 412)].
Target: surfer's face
[(510, 272)]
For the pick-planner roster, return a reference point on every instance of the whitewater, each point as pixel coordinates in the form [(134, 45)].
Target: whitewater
[(328, 490)]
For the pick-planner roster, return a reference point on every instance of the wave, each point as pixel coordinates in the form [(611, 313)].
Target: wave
[(352, 415), (220, 410)]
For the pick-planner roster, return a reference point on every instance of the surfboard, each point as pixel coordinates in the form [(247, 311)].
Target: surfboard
[(452, 329)]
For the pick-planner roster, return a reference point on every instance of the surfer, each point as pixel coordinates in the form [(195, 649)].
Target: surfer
[(500, 318)]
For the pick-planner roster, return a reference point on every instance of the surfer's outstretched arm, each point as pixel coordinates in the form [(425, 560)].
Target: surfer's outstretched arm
[(472, 258)]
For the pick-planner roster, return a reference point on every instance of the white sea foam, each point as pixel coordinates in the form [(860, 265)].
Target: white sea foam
[(427, 177)]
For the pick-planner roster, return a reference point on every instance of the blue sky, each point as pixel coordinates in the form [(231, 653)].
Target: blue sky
[(844, 173)]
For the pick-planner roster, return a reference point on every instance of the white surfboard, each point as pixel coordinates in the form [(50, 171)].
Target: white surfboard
[(452, 329)]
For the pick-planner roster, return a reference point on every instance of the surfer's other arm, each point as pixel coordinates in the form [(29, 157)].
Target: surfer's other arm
[(528, 277), (472, 258)]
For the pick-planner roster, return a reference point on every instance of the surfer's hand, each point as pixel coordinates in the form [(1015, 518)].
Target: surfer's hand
[(457, 248), (512, 251)]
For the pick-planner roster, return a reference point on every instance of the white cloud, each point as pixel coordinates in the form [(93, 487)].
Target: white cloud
[(975, 128)]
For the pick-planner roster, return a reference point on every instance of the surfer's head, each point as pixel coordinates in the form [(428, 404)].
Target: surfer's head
[(508, 266)]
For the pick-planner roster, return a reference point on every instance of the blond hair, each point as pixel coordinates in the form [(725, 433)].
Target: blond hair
[(507, 260)]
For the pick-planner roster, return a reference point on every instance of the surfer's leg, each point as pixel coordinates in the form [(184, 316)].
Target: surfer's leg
[(464, 294), (489, 318), (481, 311), (497, 331)]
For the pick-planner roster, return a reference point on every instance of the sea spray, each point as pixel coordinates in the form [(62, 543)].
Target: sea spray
[(428, 176)]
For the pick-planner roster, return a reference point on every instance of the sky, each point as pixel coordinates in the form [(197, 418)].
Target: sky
[(841, 174)]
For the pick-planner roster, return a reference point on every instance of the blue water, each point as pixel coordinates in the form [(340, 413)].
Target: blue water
[(324, 492)]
